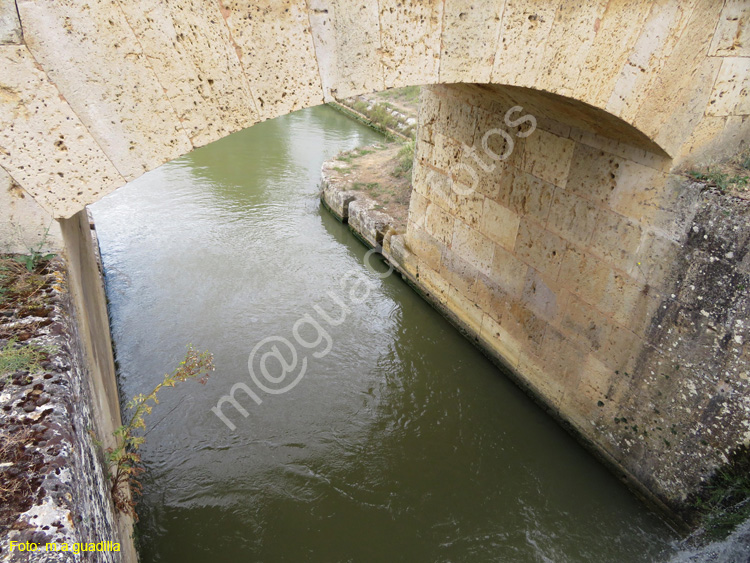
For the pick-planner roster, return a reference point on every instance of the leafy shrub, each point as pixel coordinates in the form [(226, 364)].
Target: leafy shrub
[(124, 460)]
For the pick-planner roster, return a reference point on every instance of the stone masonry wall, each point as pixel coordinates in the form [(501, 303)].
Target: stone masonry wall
[(55, 405), (570, 262), (94, 94)]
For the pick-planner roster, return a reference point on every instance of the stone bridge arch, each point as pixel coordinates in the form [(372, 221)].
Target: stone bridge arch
[(93, 93)]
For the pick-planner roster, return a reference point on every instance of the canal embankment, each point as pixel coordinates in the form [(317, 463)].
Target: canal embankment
[(55, 490), (699, 328)]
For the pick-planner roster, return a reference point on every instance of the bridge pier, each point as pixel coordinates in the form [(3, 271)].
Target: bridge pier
[(572, 256)]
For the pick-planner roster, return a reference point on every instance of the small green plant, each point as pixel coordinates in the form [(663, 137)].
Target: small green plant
[(123, 459), (405, 159), (35, 257), (24, 357), (720, 180), (725, 500)]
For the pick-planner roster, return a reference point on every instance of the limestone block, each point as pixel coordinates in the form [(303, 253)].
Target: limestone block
[(539, 248), (496, 185), (563, 360), (508, 271), (493, 299), (500, 186), (624, 150), (657, 40), (469, 39), (418, 209), (499, 224), (526, 327), (367, 221), (412, 58), (582, 322), (679, 82), (548, 157), (539, 296), (584, 274), (494, 147), (274, 43), (616, 34), (423, 155), (446, 153), (531, 197), (43, 144), (638, 190), (568, 44), (593, 386), (457, 120), (525, 28), (731, 91), (439, 189), (439, 224), (400, 255), (472, 246), (713, 138), (572, 217), (690, 106), (467, 204), (192, 53), (620, 349), (465, 309), (459, 273), (115, 93), (433, 283), (10, 25), (346, 34), (631, 304), (616, 239), (502, 342), (654, 258), (732, 36), (425, 247), (337, 200), (594, 174), (23, 223)]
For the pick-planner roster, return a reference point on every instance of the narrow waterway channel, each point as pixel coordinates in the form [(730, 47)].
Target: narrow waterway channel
[(403, 443)]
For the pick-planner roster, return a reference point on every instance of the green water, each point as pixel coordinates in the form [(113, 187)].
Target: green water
[(401, 442)]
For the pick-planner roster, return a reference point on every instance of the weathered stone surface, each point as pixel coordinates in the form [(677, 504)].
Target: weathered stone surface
[(347, 45), (368, 222), (590, 282), (43, 144), (525, 27), (55, 406), (10, 25), (732, 36), (191, 52), (730, 95), (276, 48), (412, 58), (615, 35), (572, 35), (151, 82), (469, 39), (657, 40), (99, 67), (23, 224)]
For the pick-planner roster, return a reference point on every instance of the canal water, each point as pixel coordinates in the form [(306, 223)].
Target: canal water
[(399, 442)]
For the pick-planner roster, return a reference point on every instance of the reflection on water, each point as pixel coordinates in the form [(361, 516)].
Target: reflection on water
[(403, 443)]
